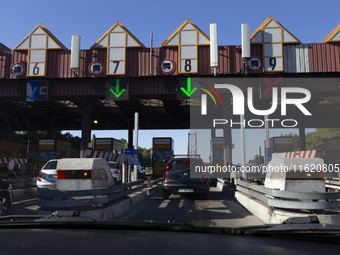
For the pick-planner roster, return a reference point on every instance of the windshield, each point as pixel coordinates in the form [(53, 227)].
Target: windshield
[(228, 126)]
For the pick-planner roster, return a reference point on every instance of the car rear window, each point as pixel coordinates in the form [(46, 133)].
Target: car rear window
[(114, 165), (51, 165), (184, 164)]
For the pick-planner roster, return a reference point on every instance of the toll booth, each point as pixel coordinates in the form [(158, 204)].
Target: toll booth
[(52, 149), (332, 157), (217, 156), (9, 149), (332, 150), (163, 150), (108, 145), (279, 144)]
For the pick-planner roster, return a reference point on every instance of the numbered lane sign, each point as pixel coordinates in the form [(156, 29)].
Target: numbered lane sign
[(116, 40), (188, 37), (37, 43), (272, 35)]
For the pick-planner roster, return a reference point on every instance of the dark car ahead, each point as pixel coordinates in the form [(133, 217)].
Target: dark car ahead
[(6, 196), (177, 177)]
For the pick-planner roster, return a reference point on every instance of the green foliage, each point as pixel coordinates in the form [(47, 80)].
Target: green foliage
[(124, 144), (145, 156), (257, 160), (316, 140)]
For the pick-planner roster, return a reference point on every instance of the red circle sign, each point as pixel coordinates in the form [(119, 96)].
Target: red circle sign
[(96, 68), (17, 69), (167, 66), (254, 64)]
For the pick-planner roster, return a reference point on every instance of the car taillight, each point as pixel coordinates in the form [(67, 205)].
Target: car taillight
[(39, 177), (117, 171), (167, 167), (60, 174), (166, 175)]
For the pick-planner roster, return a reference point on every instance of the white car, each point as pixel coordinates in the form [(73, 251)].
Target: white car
[(47, 177)]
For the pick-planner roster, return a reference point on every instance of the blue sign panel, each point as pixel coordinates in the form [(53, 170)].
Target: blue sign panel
[(47, 155), (134, 159), (131, 151), (37, 91)]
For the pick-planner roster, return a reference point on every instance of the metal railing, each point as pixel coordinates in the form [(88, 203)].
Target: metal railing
[(290, 199)]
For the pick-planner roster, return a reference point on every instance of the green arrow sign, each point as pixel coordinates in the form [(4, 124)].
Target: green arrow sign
[(188, 91), (117, 93)]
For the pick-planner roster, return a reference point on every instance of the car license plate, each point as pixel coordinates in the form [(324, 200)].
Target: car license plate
[(185, 190), (52, 176)]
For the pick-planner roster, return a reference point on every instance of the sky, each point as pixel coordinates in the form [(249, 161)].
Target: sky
[(309, 21)]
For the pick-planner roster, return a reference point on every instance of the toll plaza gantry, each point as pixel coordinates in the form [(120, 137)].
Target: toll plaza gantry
[(45, 86)]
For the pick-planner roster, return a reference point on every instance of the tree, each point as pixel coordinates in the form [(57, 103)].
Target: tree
[(124, 144), (257, 160), (145, 156), (316, 140)]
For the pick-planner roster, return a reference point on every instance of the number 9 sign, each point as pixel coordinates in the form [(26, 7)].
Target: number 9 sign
[(272, 64)]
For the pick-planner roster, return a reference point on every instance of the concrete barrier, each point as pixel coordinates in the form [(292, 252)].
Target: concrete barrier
[(116, 208), (271, 215)]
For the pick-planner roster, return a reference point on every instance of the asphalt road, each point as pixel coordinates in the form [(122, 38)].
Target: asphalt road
[(24, 201), (212, 209), (215, 209)]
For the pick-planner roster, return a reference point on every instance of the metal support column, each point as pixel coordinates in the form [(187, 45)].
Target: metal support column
[(227, 144), (51, 133), (130, 132), (228, 137), (302, 136), (86, 124)]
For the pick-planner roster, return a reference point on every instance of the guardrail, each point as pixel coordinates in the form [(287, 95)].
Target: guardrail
[(99, 197), (290, 199)]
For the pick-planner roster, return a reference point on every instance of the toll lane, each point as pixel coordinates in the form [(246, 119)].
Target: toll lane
[(214, 209)]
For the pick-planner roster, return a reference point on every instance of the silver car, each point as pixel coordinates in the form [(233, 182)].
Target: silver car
[(116, 170), (47, 177)]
